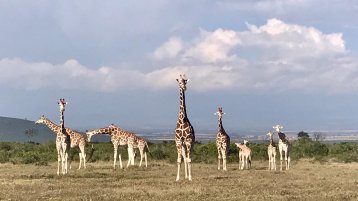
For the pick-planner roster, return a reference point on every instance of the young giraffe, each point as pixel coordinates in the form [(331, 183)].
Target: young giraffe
[(121, 137), (284, 146), (76, 139), (134, 142), (184, 132), (222, 141), (117, 139), (65, 144), (244, 155), (271, 152)]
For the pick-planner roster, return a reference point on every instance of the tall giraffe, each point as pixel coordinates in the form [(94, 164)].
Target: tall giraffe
[(76, 138), (271, 152), (284, 147), (222, 140), (184, 132), (66, 141)]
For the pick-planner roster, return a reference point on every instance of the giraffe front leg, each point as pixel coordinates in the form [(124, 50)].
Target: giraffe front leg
[(84, 159), (141, 157), (80, 156), (188, 159), (130, 155), (145, 158), (223, 153), (219, 158), (59, 161), (115, 156), (269, 167), (281, 158), (179, 150), (66, 162)]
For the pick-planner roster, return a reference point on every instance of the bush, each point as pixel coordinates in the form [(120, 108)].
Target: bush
[(42, 154)]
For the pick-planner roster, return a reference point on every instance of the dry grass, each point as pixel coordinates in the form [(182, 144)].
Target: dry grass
[(304, 181)]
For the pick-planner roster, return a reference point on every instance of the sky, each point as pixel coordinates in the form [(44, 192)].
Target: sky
[(266, 62)]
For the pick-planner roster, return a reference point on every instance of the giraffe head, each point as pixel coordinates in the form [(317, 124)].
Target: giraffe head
[(112, 126), (245, 142), (90, 134), (278, 128), (41, 120), (219, 112), (269, 134), (62, 103), (182, 80)]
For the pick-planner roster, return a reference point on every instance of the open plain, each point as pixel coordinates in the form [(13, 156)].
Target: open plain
[(306, 180)]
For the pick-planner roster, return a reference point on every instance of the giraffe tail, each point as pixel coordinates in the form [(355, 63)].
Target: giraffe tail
[(146, 144), (91, 153)]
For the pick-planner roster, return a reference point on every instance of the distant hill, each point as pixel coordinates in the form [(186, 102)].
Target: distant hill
[(13, 130)]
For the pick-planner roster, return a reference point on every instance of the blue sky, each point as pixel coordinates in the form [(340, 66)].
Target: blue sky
[(293, 62)]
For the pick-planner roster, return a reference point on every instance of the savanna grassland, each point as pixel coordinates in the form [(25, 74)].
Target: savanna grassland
[(306, 180)]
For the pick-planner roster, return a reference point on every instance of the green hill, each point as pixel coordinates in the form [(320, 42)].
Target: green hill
[(13, 130)]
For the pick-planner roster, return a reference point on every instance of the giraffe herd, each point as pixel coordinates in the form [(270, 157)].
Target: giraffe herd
[(67, 138)]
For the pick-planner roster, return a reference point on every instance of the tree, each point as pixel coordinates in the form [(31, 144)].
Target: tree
[(302, 134), (318, 136), (30, 133)]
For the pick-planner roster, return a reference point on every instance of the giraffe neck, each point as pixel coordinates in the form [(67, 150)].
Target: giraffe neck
[(62, 122), (55, 128), (102, 131), (221, 128), (182, 108)]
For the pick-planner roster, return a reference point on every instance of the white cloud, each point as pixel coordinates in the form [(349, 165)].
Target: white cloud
[(213, 46), (169, 49), (292, 57)]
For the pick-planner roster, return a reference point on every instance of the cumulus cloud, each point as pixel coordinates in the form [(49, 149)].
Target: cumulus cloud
[(290, 56)]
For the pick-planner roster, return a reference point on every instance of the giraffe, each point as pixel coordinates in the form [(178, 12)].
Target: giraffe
[(134, 142), (284, 146), (244, 155), (116, 140), (184, 132), (121, 137), (76, 139), (271, 152), (222, 141), (65, 141)]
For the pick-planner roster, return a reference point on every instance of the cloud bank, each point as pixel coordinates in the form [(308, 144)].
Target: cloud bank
[(273, 56)]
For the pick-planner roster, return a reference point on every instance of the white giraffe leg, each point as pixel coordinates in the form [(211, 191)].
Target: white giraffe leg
[(188, 159), (219, 158), (63, 163), (141, 157), (59, 161), (84, 159), (145, 157), (179, 150), (185, 163), (115, 148), (270, 158), (130, 155), (274, 160), (80, 156), (281, 158), (223, 153)]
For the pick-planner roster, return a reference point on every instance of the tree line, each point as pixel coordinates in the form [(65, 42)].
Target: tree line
[(303, 147)]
